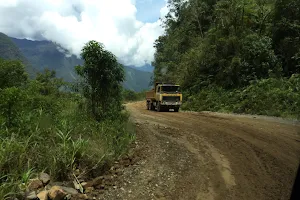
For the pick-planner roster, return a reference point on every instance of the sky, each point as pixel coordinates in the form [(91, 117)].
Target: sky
[(127, 28)]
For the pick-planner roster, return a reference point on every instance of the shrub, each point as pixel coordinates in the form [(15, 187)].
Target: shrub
[(45, 129), (274, 97)]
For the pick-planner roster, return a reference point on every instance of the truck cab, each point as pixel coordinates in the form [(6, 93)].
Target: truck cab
[(164, 97)]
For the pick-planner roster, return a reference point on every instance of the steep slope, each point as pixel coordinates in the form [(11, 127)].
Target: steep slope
[(137, 80), (145, 68), (10, 51), (45, 54)]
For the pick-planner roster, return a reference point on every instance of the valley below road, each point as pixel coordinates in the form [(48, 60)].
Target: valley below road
[(206, 156)]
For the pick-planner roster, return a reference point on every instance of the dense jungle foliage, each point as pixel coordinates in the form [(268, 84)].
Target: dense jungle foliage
[(45, 126), (233, 55), (130, 95)]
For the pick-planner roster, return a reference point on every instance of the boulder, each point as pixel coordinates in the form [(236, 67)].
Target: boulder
[(45, 178), (35, 184), (31, 195), (69, 190), (57, 193), (43, 195)]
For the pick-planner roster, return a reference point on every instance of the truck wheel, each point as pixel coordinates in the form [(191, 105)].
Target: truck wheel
[(176, 109), (151, 106), (158, 108)]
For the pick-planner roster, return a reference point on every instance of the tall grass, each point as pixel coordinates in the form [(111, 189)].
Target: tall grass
[(58, 138)]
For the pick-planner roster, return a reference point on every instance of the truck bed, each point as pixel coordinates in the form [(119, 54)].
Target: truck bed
[(150, 95)]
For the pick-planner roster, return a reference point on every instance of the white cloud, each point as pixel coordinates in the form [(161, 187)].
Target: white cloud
[(164, 10), (72, 23)]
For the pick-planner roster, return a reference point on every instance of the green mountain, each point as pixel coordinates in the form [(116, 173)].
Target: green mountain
[(137, 80), (10, 51), (45, 54), (145, 68)]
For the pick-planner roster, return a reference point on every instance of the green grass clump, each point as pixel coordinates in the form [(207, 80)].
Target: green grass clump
[(59, 145), (45, 129)]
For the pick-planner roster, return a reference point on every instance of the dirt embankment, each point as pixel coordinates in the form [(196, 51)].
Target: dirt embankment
[(208, 156)]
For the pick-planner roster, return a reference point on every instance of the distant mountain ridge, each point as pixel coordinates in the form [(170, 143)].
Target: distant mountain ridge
[(10, 51), (145, 68), (46, 54)]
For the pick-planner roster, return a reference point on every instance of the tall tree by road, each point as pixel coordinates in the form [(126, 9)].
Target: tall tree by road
[(102, 76)]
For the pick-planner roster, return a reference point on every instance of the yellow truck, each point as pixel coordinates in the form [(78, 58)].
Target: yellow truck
[(164, 97)]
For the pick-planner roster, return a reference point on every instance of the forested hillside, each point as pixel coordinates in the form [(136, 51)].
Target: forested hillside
[(9, 51), (233, 55), (45, 54), (137, 80), (39, 55)]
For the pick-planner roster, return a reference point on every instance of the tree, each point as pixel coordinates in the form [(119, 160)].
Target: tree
[(225, 42), (102, 76), (12, 73), (286, 35), (48, 83), (11, 103)]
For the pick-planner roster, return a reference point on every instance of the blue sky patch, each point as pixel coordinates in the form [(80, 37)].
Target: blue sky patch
[(149, 10)]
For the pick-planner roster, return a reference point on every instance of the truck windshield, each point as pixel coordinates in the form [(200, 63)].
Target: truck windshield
[(170, 89)]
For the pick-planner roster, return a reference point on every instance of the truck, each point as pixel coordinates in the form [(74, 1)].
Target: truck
[(163, 97)]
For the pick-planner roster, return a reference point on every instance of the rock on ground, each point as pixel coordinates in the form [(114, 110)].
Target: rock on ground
[(45, 178), (31, 195), (43, 195), (34, 184), (57, 193)]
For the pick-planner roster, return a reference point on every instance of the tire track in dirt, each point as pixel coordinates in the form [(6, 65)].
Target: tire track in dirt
[(210, 156), (206, 190), (220, 160)]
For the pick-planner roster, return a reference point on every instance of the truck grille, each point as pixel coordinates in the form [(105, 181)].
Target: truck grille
[(171, 99)]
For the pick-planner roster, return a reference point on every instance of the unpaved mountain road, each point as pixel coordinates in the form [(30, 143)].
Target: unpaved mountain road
[(209, 156)]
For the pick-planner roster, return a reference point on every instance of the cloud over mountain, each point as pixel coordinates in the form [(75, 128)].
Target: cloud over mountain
[(71, 23)]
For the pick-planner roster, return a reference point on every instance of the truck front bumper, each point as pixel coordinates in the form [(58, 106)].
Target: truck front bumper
[(169, 103)]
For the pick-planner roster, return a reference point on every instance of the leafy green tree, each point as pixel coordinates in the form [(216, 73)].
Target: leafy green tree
[(224, 42), (286, 35), (11, 103), (48, 83), (216, 49), (12, 73), (102, 76)]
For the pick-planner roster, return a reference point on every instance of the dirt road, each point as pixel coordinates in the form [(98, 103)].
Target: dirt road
[(209, 156)]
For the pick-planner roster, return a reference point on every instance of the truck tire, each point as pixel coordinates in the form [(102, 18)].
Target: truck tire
[(152, 106), (158, 108), (149, 106), (176, 109)]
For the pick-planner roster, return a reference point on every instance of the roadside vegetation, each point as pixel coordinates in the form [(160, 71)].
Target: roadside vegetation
[(48, 125), (232, 55), (274, 97), (129, 95)]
